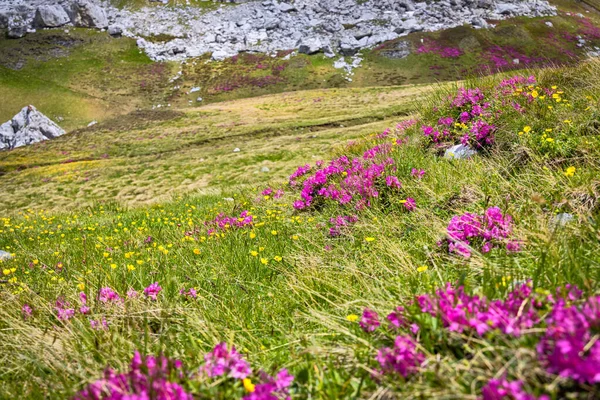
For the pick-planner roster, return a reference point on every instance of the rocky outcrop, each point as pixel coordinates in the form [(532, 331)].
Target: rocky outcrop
[(329, 26), (87, 14), (27, 127), (51, 16)]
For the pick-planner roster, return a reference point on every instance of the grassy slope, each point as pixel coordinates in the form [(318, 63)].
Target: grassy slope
[(90, 76), (148, 156), (292, 312)]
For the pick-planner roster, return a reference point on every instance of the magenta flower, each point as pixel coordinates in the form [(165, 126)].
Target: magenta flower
[(417, 173), (501, 389), (99, 324), (396, 317), (272, 388), (26, 311), (107, 295), (152, 291), (392, 181), (369, 320), (63, 312), (410, 204), (403, 358), (221, 361), (148, 377), (84, 309)]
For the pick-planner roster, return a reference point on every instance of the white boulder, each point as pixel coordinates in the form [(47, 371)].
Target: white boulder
[(27, 127)]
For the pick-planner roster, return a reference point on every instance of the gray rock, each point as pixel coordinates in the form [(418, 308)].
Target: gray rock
[(399, 51), (115, 30), (51, 16), (285, 7), (310, 46), (4, 255), (349, 46), (87, 14), (27, 127), (561, 219), (459, 152), (17, 27)]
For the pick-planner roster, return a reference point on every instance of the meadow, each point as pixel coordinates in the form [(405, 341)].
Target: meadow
[(378, 269)]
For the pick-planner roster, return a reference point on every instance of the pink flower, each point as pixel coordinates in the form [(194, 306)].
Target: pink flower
[(26, 311), (369, 320), (152, 291), (410, 204), (107, 295), (417, 173), (403, 358), (221, 361)]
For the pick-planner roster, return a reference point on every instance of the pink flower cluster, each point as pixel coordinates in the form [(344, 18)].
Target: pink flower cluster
[(340, 223), (223, 221), (272, 388), (569, 347), (487, 231), (148, 377), (502, 389), (467, 107), (431, 47), (460, 312), (402, 358), (221, 361)]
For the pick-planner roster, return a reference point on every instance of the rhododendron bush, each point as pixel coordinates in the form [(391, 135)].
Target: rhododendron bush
[(472, 116), (352, 182), (560, 327)]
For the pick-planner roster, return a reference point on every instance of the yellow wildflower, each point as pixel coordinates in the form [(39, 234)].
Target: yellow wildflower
[(570, 171), (248, 385), (352, 317)]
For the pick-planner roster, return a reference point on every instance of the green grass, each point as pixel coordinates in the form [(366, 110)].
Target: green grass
[(86, 75), (292, 313), (193, 150)]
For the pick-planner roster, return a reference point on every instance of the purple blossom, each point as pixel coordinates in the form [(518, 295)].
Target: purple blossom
[(26, 311), (221, 361), (417, 173), (489, 230), (403, 358), (567, 348), (152, 291), (502, 389), (148, 378), (410, 204), (369, 320), (272, 388), (392, 181), (107, 295)]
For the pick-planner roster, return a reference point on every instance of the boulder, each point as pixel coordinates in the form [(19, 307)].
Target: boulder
[(459, 152), (17, 27), (310, 46), (27, 127), (51, 16), (4, 255), (115, 30), (349, 46), (88, 15), (561, 219)]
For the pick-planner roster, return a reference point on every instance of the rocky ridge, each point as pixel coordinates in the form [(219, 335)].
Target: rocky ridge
[(310, 26), (27, 127)]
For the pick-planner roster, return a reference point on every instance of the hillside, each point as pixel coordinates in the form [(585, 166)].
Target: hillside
[(287, 285), (427, 227)]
